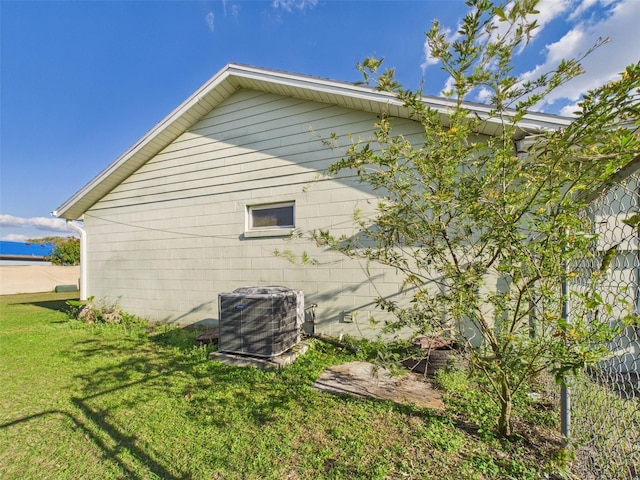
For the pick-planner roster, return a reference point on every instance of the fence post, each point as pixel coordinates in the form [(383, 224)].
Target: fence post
[(565, 394)]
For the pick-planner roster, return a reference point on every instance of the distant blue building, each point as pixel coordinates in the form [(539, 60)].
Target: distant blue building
[(21, 253)]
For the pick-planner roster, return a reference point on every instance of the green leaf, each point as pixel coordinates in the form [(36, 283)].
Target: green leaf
[(632, 221), (608, 257)]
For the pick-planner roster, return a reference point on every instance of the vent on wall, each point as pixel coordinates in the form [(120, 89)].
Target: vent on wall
[(260, 321)]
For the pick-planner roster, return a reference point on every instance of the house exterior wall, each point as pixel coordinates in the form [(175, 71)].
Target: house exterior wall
[(619, 286), (167, 240)]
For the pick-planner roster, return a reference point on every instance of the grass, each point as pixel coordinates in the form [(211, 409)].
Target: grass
[(130, 401), (606, 427)]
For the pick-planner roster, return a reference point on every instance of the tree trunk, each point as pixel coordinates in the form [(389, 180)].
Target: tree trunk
[(506, 403)]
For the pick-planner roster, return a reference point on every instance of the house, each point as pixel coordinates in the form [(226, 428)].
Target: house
[(206, 201)]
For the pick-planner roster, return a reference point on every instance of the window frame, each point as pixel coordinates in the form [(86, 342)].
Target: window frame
[(250, 231)]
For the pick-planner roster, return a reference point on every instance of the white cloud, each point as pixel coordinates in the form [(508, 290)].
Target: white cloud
[(549, 10), (585, 5), (569, 110), (15, 237), (449, 86), (484, 95), (582, 7), (209, 18), (290, 5), (39, 223), (567, 47), (230, 8), (450, 37), (620, 23), (234, 10), (572, 44), (589, 20)]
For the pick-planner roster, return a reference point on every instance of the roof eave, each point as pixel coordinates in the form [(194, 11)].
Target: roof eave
[(233, 77)]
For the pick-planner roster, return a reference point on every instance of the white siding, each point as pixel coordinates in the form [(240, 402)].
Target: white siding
[(167, 240)]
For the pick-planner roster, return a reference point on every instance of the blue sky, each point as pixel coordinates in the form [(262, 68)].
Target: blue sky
[(80, 82)]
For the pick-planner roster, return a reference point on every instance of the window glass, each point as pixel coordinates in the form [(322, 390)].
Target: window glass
[(271, 216)]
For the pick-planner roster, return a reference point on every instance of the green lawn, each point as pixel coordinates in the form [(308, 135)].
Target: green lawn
[(135, 402)]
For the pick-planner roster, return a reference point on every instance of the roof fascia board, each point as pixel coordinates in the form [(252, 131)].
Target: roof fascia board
[(533, 121), (331, 87)]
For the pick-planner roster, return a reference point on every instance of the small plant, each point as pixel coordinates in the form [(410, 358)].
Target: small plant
[(467, 399), (90, 311), (442, 434)]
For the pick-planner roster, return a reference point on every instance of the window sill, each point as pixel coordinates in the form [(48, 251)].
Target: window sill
[(280, 232)]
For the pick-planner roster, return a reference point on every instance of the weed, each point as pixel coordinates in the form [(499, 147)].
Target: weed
[(93, 311), (443, 435)]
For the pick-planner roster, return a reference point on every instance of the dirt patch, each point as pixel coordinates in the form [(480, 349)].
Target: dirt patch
[(367, 380)]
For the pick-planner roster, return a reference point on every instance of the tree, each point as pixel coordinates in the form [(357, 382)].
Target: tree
[(481, 235), (66, 252), (54, 240)]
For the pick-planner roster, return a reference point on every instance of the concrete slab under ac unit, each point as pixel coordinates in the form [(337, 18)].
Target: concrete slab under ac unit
[(263, 363)]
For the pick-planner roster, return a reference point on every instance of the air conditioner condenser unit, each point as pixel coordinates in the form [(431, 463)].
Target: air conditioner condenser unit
[(260, 321)]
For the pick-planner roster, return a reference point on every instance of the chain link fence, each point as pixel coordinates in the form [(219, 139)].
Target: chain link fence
[(605, 400)]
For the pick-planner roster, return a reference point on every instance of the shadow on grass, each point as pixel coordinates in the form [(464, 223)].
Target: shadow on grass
[(48, 300), (172, 365), (122, 441), (88, 423), (58, 305), (138, 381), (127, 374)]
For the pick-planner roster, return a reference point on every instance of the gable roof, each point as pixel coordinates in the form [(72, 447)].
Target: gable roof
[(234, 77)]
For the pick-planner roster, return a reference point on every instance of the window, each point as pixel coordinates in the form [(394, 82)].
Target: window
[(274, 219)]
